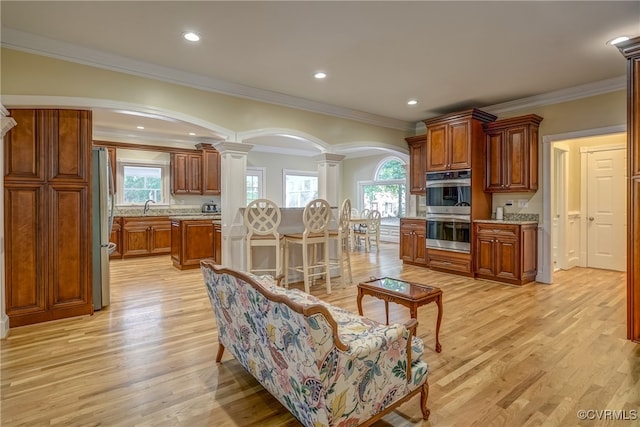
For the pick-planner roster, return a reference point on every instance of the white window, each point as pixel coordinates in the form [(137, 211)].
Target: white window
[(299, 188), (387, 193), (141, 181), (255, 184)]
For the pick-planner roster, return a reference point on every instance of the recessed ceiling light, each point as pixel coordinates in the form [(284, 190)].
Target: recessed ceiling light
[(412, 102), (320, 75), (617, 40), (192, 133), (192, 37), (140, 127)]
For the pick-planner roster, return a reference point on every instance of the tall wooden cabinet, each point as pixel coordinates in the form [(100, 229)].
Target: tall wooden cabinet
[(413, 239), (47, 215), (512, 154), (417, 163), (631, 50)]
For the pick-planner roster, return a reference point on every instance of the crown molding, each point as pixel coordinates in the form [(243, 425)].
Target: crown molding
[(31, 43)]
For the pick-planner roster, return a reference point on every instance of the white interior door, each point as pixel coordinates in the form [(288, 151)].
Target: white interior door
[(606, 210)]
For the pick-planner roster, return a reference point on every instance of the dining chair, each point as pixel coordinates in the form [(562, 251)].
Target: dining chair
[(315, 217), (342, 237), (262, 218)]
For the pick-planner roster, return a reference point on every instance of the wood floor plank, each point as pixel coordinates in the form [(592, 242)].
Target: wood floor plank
[(511, 356)]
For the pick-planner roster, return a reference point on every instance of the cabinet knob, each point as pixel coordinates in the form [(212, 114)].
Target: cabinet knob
[(591, 218)]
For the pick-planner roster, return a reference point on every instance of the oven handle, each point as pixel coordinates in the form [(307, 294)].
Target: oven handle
[(448, 183), (452, 218)]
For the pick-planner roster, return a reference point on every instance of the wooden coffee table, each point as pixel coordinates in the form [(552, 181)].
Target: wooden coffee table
[(411, 295)]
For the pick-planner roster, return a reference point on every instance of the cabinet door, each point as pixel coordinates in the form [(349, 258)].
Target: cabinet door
[(420, 246), (406, 243), (116, 237), (516, 153), (70, 286), (217, 243), (25, 271), (176, 242), (437, 156), (507, 257), (485, 254), (24, 148), (459, 145), (179, 177), (417, 160), (135, 239), (197, 241), (495, 176), (194, 174), (69, 145), (210, 172), (160, 237)]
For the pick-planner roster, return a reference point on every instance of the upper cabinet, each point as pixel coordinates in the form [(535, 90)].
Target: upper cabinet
[(451, 138), (417, 154), (512, 154), (196, 173)]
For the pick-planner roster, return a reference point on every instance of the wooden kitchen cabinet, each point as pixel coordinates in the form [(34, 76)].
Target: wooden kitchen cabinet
[(144, 236), (417, 163), (452, 137), (186, 173), (191, 241), (116, 237), (217, 243), (506, 252), (210, 172), (47, 224), (512, 154), (413, 240)]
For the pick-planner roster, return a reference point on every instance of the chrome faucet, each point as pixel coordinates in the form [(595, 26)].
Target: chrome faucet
[(146, 206)]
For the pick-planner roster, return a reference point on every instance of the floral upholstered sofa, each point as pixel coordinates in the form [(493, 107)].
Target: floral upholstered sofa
[(327, 366)]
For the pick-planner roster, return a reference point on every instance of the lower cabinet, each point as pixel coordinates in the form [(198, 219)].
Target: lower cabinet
[(506, 252), (192, 241), (144, 236), (413, 235), (450, 262), (116, 237)]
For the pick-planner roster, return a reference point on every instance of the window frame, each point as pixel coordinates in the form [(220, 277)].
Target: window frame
[(381, 163), (260, 172), (164, 176), (293, 172)]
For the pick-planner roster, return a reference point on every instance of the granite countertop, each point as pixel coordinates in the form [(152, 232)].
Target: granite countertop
[(194, 217)]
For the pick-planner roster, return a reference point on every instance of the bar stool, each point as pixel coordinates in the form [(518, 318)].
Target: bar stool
[(315, 217), (262, 218), (342, 237)]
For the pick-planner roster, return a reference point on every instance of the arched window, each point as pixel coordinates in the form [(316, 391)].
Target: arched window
[(387, 192)]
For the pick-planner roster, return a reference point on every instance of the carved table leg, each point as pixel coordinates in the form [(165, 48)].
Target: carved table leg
[(360, 301), (424, 394), (439, 302)]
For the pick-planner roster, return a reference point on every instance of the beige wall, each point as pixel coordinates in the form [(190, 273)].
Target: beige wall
[(28, 74)]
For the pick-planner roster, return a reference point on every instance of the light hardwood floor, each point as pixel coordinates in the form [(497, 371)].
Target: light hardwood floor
[(529, 356)]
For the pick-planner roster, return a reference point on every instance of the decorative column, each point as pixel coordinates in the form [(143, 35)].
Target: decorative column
[(631, 50), (233, 196), (330, 178), (6, 124)]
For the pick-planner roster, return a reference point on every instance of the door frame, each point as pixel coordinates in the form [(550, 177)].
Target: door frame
[(584, 151), (559, 185), (545, 248)]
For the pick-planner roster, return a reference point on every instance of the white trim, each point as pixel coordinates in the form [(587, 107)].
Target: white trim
[(294, 172), (261, 173), (545, 249), (164, 168)]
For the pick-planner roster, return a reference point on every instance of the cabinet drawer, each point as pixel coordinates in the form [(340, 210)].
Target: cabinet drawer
[(503, 230), (453, 261)]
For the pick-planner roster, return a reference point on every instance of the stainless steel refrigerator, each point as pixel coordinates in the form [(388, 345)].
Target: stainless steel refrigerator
[(102, 220)]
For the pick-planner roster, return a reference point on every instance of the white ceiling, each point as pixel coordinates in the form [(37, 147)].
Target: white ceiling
[(449, 55)]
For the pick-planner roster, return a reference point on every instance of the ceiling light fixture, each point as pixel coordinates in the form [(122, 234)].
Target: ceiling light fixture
[(192, 133), (320, 75), (192, 37), (617, 40), (140, 127), (412, 102)]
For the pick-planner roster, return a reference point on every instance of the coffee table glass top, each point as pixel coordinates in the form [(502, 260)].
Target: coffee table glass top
[(412, 290)]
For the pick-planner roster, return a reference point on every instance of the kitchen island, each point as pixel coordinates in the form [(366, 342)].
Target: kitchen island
[(195, 237)]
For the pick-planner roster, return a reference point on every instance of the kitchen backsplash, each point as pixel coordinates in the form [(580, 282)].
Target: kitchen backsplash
[(160, 211)]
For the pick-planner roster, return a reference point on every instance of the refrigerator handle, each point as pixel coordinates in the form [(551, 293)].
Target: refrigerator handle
[(112, 192)]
